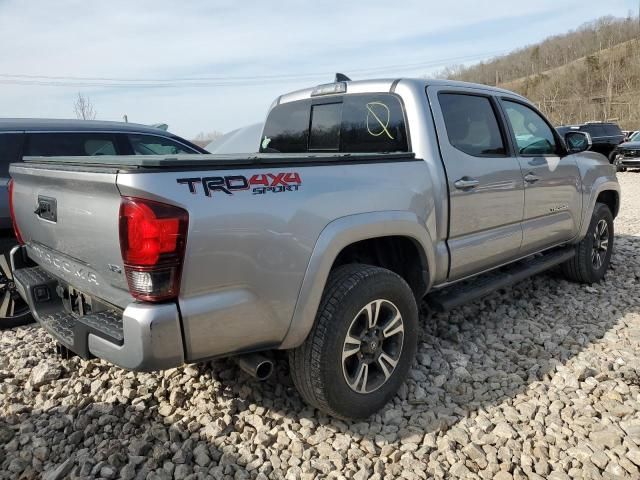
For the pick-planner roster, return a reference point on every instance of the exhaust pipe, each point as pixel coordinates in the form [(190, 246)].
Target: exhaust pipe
[(255, 365)]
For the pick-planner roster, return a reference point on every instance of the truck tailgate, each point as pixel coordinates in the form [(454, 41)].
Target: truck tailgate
[(68, 219)]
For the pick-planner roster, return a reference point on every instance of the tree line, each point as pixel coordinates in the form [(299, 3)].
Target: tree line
[(588, 74)]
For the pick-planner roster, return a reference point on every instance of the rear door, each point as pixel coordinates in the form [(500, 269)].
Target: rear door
[(485, 183), (552, 200)]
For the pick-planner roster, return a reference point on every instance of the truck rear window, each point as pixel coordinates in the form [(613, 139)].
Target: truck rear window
[(357, 123)]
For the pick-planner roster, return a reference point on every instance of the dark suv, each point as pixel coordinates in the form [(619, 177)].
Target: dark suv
[(45, 138), (605, 136)]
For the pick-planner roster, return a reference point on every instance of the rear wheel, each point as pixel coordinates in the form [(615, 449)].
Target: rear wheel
[(593, 253), (362, 344), (13, 309)]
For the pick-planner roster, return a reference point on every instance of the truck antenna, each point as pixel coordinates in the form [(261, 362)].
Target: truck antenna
[(341, 77)]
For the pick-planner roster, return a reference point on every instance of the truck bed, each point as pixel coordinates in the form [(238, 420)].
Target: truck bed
[(248, 246)]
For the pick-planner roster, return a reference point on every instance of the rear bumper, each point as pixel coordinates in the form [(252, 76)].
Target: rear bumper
[(142, 337)]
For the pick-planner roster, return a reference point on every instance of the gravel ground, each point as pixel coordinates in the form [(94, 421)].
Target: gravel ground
[(540, 381)]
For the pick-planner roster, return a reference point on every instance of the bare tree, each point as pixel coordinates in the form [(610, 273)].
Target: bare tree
[(208, 136), (84, 108)]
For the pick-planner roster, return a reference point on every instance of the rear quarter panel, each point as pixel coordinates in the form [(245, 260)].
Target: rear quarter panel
[(247, 253)]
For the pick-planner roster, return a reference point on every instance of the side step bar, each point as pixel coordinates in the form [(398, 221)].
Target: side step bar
[(466, 291)]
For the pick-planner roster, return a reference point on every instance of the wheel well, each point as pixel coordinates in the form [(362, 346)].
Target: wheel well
[(611, 200), (401, 255)]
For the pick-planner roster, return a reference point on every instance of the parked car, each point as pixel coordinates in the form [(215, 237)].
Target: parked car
[(627, 154), (48, 137), (365, 197), (605, 136), (242, 140)]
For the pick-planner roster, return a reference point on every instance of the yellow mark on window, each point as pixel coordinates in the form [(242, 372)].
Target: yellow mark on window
[(382, 119)]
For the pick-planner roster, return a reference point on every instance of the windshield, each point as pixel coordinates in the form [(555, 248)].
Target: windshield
[(635, 137)]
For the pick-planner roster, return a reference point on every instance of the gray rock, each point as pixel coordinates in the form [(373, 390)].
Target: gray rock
[(43, 373), (60, 471), (504, 430), (139, 446), (634, 455), (608, 438), (6, 434)]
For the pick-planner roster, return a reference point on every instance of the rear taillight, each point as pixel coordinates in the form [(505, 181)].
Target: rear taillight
[(16, 230), (153, 236)]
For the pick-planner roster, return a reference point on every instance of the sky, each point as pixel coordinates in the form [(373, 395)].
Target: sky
[(206, 65)]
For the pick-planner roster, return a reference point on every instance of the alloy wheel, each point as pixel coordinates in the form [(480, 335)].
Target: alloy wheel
[(11, 303), (600, 244), (373, 346)]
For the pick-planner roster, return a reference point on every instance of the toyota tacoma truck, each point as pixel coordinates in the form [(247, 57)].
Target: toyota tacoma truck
[(364, 199)]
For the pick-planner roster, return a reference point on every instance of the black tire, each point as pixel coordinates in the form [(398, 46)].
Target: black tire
[(13, 309), (318, 368), (583, 268)]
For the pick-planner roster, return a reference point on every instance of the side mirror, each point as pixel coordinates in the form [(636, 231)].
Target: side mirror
[(577, 141)]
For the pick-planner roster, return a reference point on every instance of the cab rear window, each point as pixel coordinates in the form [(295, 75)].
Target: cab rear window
[(358, 123)]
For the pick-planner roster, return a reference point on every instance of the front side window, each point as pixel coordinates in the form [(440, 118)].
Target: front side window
[(70, 144), (471, 123), (533, 134), (358, 123), (154, 145)]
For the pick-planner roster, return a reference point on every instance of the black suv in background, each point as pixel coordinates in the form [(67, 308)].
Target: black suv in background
[(45, 138), (605, 136)]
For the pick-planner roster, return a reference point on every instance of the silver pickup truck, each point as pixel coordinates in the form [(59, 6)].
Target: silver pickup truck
[(365, 198)]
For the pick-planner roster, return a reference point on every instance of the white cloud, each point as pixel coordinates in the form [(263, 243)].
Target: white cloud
[(169, 39)]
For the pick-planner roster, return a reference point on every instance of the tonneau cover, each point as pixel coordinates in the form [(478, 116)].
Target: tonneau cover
[(191, 160)]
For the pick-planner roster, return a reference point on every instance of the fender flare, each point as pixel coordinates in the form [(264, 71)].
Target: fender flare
[(337, 235), (601, 185)]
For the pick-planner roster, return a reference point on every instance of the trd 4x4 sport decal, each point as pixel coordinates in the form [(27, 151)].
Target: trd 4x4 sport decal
[(259, 184)]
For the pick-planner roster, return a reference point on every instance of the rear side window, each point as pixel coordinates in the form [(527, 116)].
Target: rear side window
[(595, 131), (154, 145), (70, 144), (10, 145), (359, 123), (471, 124), (613, 130)]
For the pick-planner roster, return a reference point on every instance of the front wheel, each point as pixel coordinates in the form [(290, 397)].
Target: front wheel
[(593, 253), (362, 344)]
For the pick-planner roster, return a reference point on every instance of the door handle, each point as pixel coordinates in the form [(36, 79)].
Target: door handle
[(531, 178), (466, 182)]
